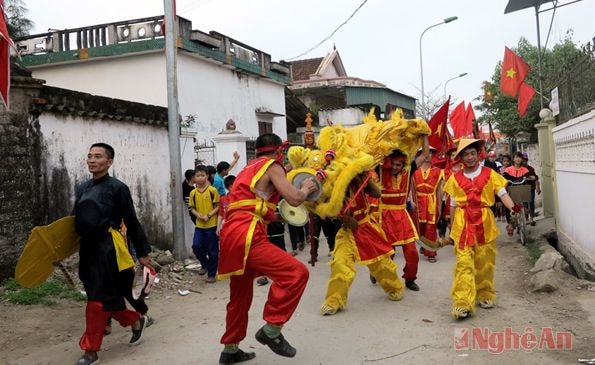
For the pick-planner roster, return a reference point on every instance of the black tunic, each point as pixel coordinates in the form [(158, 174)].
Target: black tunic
[(99, 205)]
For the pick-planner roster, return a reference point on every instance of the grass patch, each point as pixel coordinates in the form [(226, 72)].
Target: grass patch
[(47, 294), (533, 251)]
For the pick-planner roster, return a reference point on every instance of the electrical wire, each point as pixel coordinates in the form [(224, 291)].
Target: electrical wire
[(329, 36), (551, 23)]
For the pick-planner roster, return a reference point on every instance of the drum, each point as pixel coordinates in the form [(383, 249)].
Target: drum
[(296, 216), (300, 177)]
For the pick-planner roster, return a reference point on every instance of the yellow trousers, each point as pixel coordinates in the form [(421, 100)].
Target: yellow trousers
[(474, 275), (343, 271)]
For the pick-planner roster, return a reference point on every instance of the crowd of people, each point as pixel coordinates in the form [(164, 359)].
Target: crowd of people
[(239, 235)]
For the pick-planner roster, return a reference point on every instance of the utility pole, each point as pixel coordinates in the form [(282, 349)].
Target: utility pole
[(173, 129)]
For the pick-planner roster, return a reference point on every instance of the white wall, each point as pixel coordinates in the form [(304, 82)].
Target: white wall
[(141, 161), (574, 143), (347, 116), (136, 77), (216, 94)]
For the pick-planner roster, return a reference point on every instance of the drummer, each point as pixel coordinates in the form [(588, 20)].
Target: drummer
[(246, 252)]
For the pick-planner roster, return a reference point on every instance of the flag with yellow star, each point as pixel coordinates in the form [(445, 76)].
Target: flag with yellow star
[(514, 71)]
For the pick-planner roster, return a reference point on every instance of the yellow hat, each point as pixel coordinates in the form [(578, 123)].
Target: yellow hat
[(466, 142)]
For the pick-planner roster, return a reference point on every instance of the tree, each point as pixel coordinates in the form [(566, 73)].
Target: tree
[(501, 109), (18, 25)]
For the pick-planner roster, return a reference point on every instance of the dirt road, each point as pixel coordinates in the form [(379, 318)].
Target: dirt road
[(372, 330)]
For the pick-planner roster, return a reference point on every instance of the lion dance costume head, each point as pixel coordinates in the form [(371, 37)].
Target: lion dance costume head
[(345, 153)]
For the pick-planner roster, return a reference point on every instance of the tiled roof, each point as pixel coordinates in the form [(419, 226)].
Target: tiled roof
[(302, 69)]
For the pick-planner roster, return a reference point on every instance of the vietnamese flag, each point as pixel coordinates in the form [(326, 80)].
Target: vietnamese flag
[(514, 71), (471, 126), (457, 121), (526, 93), (5, 43), (437, 125)]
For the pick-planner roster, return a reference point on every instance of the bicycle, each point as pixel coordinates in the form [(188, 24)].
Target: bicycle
[(520, 195)]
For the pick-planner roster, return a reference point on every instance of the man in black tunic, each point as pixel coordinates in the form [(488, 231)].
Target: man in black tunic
[(106, 265)]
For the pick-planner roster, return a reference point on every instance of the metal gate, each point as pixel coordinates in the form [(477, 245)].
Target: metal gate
[(205, 153)]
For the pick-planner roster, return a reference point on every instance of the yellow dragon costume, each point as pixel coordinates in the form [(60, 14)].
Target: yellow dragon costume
[(346, 154)]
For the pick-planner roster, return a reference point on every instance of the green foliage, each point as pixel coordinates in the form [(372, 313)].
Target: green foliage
[(16, 22), (501, 109), (48, 293), (533, 252)]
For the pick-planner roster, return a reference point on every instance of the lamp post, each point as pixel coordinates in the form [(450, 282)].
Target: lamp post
[(421, 63), (449, 80)]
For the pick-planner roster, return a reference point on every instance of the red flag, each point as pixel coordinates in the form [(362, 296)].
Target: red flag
[(470, 123), (514, 71), (5, 43), (457, 120), (437, 125), (526, 93)]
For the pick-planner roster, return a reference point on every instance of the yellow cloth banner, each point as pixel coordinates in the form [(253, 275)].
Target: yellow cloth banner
[(123, 256)]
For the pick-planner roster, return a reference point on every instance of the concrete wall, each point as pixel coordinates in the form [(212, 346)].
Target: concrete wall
[(141, 161), (574, 143), (44, 139), (138, 77), (216, 94), (211, 91), (346, 116)]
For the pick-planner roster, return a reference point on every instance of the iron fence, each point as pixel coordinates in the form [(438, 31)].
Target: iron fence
[(576, 89)]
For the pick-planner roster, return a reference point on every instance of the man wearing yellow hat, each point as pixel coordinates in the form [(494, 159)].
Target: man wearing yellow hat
[(473, 228)]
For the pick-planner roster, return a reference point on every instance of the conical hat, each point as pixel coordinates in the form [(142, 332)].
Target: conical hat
[(466, 142)]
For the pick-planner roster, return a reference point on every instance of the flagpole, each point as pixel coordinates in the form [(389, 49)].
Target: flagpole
[(539, 55), (173, 129)]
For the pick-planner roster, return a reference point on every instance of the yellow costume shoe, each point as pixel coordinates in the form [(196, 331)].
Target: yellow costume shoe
[(460, 312), (486, 303), (396, 295), (327, 310)]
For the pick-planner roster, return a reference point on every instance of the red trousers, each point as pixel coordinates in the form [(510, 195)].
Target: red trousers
[(429, 231), (411, 261), (96, 319), (289, 278)]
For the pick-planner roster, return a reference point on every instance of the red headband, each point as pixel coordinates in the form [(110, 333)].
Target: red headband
[(262, 150)]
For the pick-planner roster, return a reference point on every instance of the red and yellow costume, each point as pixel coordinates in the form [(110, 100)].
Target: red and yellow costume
[(396, 221), (367, 245), (426, 184), (474, 232), (246, 252)]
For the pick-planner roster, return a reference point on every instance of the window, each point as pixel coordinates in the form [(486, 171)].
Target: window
[(265, 127)]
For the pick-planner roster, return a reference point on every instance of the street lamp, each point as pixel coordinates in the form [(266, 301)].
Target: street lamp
[(421, 63), (449, 80)]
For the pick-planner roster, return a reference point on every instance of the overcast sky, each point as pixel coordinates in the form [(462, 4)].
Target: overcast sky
[(381, 42)]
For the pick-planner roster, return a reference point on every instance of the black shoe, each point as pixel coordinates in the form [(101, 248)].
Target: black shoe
[(89, 358), (137, 335), (411, 285), (372, 279), (227, 358), (279, 344), (262, 281)]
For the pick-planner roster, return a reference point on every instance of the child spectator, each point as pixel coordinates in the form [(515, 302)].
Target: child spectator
[(224, 202), (204, 205)]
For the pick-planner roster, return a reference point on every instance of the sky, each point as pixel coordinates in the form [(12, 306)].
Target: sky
[(380, 42)]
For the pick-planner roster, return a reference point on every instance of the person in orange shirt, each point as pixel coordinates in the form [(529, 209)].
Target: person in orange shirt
[(246, 252), (428, 182), (395, 219)]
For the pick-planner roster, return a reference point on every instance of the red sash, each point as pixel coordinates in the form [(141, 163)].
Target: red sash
[(473, 229)]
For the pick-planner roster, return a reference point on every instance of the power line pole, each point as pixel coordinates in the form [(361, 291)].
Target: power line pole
[(173, 123)]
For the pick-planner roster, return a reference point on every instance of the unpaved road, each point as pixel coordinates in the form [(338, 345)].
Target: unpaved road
[(372, 330)]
